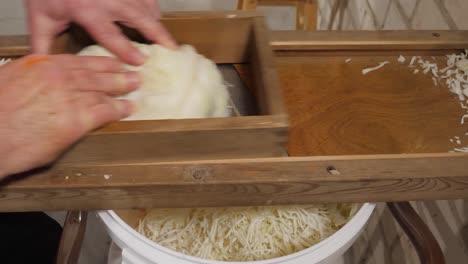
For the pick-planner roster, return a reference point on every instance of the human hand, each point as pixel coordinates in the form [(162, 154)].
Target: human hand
[(47, 18), (48, 103)]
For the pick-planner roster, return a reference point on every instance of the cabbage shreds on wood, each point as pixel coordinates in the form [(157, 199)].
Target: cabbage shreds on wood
[(244, 234), (455, 76), (4, 61)]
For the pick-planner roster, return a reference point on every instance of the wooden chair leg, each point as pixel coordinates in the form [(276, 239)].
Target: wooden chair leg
[(72, 237), (300, 19), (334, 12), (306, 15), (246, 4), (421, 237)]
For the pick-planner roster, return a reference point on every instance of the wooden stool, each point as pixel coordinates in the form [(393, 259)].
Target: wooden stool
[(306, 10)]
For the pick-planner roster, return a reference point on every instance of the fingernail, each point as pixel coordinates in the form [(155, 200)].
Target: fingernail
[(171, 44), (138, 57), (124, 107), (133, 79)]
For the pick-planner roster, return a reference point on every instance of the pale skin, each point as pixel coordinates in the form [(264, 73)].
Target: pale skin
[(47, 103), (47, 18)]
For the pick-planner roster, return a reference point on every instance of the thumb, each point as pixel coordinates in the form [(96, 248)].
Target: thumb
[(43, 30)]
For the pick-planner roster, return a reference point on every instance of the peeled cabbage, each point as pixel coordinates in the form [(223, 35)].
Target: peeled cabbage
[(176, 84)]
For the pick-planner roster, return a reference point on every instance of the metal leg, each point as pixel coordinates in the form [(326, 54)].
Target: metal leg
[(72, 237), (421, 237)]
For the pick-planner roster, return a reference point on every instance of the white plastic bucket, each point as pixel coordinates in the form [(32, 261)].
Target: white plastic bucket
[(137, 249)]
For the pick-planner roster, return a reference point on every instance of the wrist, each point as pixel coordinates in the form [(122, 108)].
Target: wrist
[(7, 157)]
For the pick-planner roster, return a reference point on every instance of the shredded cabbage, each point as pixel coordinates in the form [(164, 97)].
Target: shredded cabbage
[(244, 233), (177, 84), (4, 61)]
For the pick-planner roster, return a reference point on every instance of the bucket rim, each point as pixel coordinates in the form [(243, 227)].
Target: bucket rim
[(326, 247)]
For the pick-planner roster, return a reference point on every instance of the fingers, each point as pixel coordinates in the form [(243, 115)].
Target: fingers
[(42, 34), (108, 83), (43, 27), (156, 32), (151, 28), (153, 8), (92, 63), (107, 110), (109, 36)]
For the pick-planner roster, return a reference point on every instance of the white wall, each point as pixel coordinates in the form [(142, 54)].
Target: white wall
[(13, 19), (396, 14)]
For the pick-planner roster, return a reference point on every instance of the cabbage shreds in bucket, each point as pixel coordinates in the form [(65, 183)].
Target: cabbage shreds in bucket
[(244, 233)]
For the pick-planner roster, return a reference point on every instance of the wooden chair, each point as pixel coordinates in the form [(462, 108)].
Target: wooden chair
[(427, 247), (306, 10), (72, 237)]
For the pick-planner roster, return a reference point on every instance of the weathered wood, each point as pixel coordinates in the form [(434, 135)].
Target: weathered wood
[(306, 10), (187, 139), (369, 40), (246, 4), (336, 110), (13, 46), (306, 15), (319, 40), (263, 70), (238, 182), (211, 14), (232, 37), (277, 2), (224, 37)]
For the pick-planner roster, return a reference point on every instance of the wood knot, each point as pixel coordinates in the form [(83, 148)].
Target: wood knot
[(197, 173), (333, 171)]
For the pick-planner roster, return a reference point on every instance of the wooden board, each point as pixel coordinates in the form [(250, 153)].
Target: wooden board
[(369, 40), (171, 140), (224, 37), (336, 110), (235, 182), (333, 109), (14, 46)]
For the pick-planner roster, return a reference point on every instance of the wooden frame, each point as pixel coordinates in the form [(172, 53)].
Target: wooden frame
[(224, 180), (240, 38), (306, 10), (370, 41), (240, 182)]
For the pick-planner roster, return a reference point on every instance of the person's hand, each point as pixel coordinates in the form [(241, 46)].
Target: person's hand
[(47, 18), (48, 103)]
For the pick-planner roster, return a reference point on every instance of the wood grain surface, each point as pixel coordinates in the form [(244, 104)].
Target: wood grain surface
[(369, 40), (224, 37), (234, 182), (336, 110), (188, 139), (263, 71), (333, 110)]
